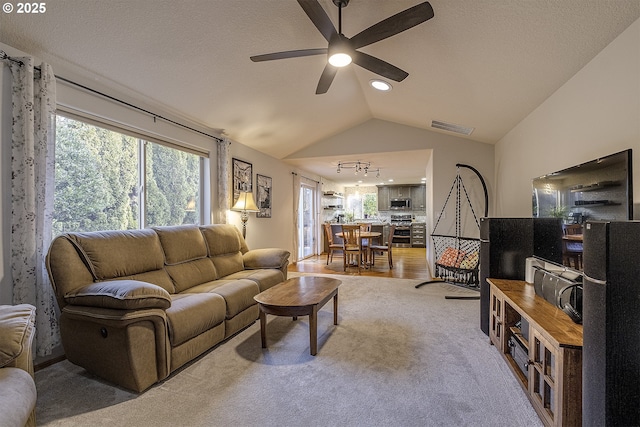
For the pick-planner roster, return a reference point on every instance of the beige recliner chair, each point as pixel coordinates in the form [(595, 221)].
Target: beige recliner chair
[(17, 385)]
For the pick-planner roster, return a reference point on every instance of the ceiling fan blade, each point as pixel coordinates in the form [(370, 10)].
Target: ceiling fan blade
[(326, 79), (319, 17), (393, 25), (289, 54), (379, 66)]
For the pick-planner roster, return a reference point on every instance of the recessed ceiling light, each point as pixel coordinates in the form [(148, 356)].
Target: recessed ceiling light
[(380, 85), (423, 179), (391, 180)]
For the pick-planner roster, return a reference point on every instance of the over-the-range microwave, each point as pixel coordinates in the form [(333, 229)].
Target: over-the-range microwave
[(399, 204)]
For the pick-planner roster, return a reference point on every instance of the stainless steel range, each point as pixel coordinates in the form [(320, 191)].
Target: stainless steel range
[(402, 235)]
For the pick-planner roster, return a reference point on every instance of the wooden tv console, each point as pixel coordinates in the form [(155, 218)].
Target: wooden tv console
[(551, 375)]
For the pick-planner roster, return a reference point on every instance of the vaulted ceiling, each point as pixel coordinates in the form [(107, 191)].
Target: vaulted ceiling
[(484, 64)]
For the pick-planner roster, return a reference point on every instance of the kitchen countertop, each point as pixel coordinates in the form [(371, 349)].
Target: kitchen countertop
[(359, 222)]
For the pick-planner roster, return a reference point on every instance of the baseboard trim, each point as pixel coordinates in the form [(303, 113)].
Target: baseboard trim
[(49, 362)]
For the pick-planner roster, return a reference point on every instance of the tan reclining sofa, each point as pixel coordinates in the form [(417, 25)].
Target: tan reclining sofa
[(17, 386), (138, 304)]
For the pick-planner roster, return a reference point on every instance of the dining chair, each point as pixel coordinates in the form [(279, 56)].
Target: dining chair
[(365, 227), (332, 245), (384, 248), (572, 249), (351, 245)]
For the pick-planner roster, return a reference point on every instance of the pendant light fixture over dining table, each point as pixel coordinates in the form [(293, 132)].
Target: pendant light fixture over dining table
[(358, 167)]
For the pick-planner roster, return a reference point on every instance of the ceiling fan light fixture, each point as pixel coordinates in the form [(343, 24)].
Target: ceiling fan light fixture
[(339, 49), (380, 85), (342, 50), (340, 60)]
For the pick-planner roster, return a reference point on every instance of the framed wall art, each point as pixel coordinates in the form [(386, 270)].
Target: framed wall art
[(264, 195), (242, 178)]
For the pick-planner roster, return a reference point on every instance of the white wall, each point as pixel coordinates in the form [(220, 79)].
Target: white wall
[(276, 231), (596, 113)]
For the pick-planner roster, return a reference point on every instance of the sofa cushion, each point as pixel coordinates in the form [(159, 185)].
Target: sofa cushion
[(120, 294), (157, 277), (112, 254), (225, 248), (228, 264), (16, 323), (265, 258), (191, 273), (265, 278), (238, 294), (192, 314), (221, 239), (181, 243), (186, 258), (17, 397)]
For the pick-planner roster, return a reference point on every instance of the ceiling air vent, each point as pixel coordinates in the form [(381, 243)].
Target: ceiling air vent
[(451, 127)]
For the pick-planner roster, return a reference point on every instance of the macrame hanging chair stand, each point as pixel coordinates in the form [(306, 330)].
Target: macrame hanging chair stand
[(457, 256)]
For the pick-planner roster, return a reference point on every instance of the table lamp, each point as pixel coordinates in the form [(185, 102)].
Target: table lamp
[(245, 204)]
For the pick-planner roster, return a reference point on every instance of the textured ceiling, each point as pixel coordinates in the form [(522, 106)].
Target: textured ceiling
[(480, 63)]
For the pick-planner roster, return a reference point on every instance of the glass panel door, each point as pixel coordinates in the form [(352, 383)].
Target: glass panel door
[(306, 222)]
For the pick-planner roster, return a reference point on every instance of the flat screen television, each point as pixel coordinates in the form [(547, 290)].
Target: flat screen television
[(597, 190)]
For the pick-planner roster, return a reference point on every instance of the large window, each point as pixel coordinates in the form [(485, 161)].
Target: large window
[(107, 180), (362, 205)]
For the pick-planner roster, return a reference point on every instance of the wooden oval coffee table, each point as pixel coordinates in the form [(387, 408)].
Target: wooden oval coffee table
[(300, 296)]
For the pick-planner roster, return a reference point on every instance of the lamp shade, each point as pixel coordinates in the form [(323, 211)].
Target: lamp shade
[(245, 203)]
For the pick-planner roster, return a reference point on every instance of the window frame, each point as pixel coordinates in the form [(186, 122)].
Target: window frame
[(142, 139)]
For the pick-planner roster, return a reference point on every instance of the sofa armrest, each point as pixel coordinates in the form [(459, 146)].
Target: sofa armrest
[(265, 258), (121, 295), (17, 329)]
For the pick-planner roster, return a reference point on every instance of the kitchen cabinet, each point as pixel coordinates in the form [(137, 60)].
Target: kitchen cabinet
[(417, 194), (419, 197), (383, 197), (418, 231), (399, 192)]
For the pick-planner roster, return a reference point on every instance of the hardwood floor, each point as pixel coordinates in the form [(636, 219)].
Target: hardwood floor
[(408, 263)]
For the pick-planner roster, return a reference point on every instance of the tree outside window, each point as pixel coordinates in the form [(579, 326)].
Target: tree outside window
[(360, 205), (98, 185), (370, 204)]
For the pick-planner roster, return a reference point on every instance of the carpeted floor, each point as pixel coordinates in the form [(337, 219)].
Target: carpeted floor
[(400, 356)]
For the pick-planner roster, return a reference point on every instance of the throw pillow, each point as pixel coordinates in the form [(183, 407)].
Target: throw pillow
[(451, 258), (470, 261), (120, 294)]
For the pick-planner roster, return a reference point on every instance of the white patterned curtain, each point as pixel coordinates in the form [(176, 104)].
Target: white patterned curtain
[(32, 182), (223, 181)]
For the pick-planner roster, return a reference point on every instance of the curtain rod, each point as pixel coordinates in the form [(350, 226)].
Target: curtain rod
[(295, 173), (3, 55)]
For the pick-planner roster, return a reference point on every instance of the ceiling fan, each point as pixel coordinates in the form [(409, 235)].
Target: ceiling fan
[(342, 50)]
